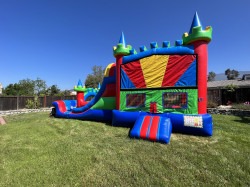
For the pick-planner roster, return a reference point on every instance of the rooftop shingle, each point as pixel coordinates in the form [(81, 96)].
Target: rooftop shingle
[(224, 83)]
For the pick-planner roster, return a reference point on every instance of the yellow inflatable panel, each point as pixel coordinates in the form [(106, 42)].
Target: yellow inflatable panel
[(153, 69), (106, 72)]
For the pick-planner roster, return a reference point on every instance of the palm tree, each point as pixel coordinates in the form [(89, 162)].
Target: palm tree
[(231, 74)]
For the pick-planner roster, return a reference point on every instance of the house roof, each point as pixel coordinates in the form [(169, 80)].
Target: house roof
[(224, 83)]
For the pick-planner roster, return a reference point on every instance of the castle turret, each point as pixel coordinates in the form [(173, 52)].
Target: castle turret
[(199, 38), (80, 94), (119, 51)]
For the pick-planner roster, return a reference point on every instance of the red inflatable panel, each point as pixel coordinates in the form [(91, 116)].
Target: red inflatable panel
[(144, 127), (61, 106), (110, 90), (154, 128), (135, 74), (112, 70), (177, 65), (80, 99)]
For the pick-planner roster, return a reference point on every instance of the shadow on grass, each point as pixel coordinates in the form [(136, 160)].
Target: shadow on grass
[(243, 119), (108, 124), (119, 126)]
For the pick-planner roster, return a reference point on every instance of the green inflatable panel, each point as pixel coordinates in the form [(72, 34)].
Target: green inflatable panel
[(105, 103), (166, 100)]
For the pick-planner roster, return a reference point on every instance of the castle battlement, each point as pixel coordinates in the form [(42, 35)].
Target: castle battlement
[(196, 33)]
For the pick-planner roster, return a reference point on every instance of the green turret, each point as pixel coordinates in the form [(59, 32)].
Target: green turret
[(197, 33)]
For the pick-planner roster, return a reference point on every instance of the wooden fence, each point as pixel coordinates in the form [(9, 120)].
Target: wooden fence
[(19, 102)]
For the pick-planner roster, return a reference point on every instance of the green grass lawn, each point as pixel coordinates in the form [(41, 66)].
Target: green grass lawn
[(38, 150)]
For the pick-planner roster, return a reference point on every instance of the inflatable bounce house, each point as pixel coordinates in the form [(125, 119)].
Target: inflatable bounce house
[(154, 92)]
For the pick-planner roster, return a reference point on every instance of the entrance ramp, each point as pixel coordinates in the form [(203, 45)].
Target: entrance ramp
[(152, 127)]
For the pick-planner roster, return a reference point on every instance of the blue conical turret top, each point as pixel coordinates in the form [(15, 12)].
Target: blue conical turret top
[(79, 83), (196, 22), (122, 40)]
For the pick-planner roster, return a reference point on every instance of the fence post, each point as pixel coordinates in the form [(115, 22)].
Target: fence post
[(44, 101), (17, 102)]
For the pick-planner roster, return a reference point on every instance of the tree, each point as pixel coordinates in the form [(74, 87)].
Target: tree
[(93, 80), (23, 87), (39, 86), (53, 90), (65, 93), (11, 90), (26, 87), (231, 74), (211, 76)]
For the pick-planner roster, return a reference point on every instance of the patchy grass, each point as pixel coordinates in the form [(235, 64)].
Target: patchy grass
[(37, 150), (241, 106)]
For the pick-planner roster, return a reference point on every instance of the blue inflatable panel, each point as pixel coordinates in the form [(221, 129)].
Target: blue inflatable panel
[(187, 78), (152, 127), (159, 51), (165, 130), (124, 119), (125, 81), (92, 115), (70, 104), (199, 124), (192, 124), (89, 94)]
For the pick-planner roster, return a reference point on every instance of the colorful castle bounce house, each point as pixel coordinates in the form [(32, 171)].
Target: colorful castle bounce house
[(154, 92)]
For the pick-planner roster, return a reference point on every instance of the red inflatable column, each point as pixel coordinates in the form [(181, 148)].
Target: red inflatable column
[(200, 39), (118, 80), (80, 99), (200, 48), (119, 51)]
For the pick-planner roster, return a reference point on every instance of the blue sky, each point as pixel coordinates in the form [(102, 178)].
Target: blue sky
[(60, 41)]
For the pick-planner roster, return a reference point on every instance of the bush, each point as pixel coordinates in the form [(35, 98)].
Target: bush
[(33, 103)]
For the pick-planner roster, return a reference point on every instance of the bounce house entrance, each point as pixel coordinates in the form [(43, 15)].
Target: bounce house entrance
[(152, 127), (153, 107)]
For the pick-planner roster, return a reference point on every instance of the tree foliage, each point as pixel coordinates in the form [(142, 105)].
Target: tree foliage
[(23, 87), (211, 76), (65, 92), (231, 74), (231, 88), (93, 80), (39, 86), (11, 89), (53, 90), (26, 87)]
